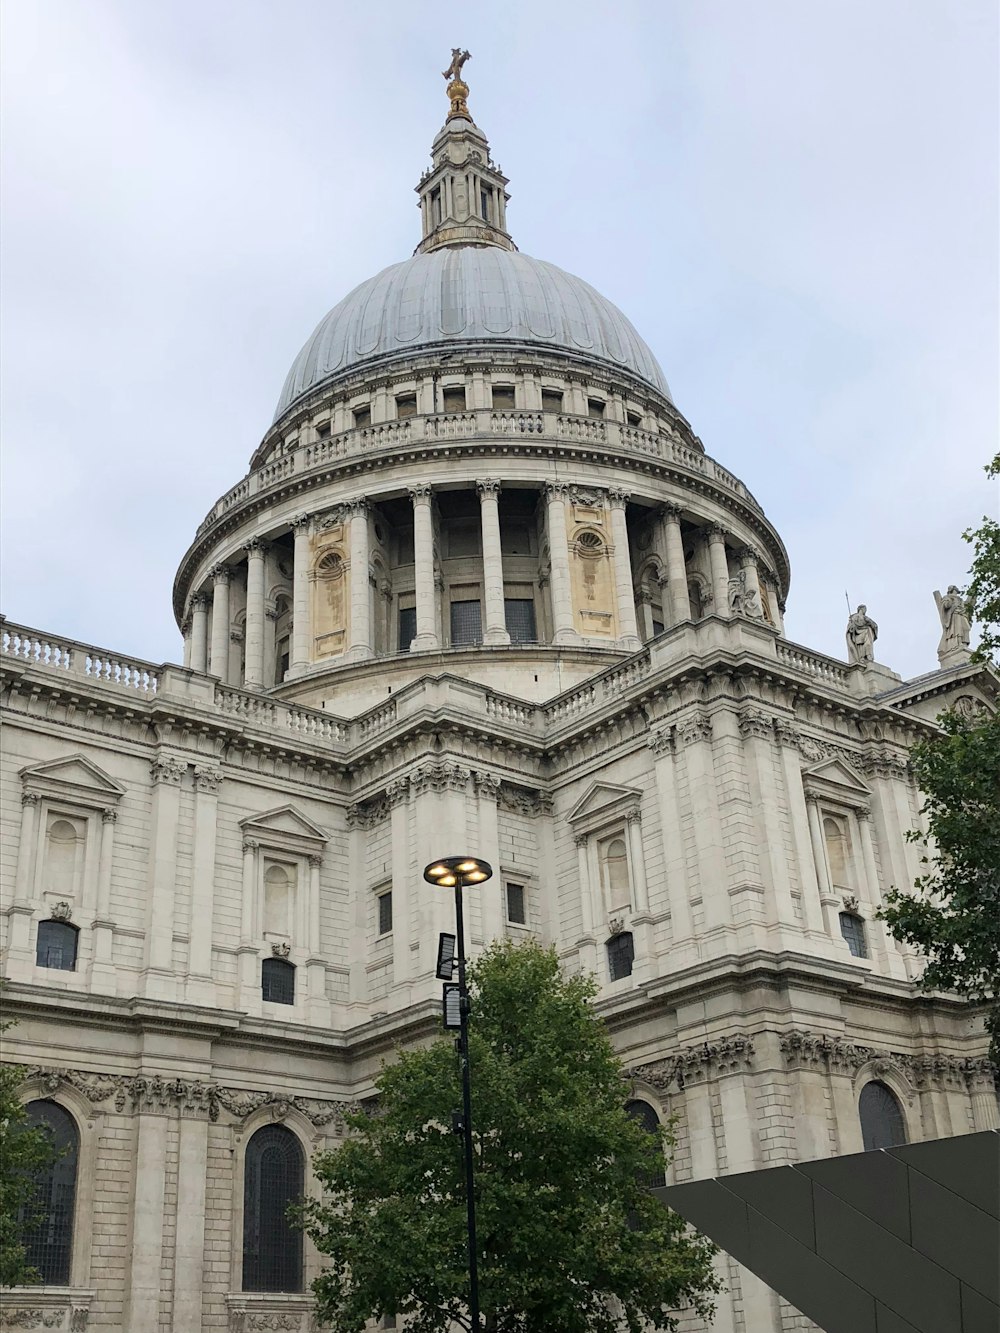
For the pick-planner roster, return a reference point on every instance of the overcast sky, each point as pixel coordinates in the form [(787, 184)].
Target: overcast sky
[(795, 203)]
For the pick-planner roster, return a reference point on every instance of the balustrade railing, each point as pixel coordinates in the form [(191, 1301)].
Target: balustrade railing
[(503, 709), (467, 425), (77, 659), (262, 711), (814, 664)]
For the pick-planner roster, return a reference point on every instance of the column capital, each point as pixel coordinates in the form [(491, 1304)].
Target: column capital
[(109, 815), (186, 625), (220, 573), (207, 779), (581, 839), (488, 488), (200, 602), (617, 497), (748, 556), (236, 636), (301, 522), (249, 845), (357, 507), (29, 798), (256, 548), (315, 861), (669, 511), (555, 490), (716, 532), (420, 494)]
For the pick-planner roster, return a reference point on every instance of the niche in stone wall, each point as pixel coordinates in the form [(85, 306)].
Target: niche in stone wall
[(65, 844), (331, 590), (591, 571), (280, 890)]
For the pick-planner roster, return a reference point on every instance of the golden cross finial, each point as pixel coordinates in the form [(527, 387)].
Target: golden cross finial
[(458, 89)]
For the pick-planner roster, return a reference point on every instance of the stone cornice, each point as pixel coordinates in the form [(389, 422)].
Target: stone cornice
[(809, 1050), (693, 1064)]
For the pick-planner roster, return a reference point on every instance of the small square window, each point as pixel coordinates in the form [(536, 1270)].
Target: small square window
[(453, 398), (406, 405), (362, 416), (516, 913), (633, 418), (552, 400), (503, 396), (385, 912), (323, 430), (595, 407)]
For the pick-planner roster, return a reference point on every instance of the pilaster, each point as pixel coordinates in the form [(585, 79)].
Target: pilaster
[(200, 988), (160, 979)]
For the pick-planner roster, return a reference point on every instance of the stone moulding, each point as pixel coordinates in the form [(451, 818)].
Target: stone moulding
[(809, 1050), (724, 1055), (140, 1094)]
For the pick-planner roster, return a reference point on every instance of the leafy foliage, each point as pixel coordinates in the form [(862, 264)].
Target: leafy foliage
[(569, 1238), (953, 916), (983, 593), (24, 1151)]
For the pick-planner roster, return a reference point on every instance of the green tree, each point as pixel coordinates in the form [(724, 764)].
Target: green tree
[(953, 914), (568, 1236), (25, 1150)]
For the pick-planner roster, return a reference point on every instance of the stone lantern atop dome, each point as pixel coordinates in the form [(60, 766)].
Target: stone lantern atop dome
[(463, 198)]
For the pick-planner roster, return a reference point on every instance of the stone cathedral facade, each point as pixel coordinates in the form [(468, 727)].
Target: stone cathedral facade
[(482, 589)]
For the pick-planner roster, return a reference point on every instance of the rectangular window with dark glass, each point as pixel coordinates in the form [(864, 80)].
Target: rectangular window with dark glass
[(484, 203), (519, 615), (385, 912), (552, 400), (595, 407), (453, 398), (516, 913), (633, 418), (503, 397), (657, 627), (406, 405), (407, 627), (852, 928), (362, 416), (466, 623), (621, 955)]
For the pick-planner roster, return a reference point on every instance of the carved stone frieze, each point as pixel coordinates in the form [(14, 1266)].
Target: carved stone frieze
[(809, 1050), (883, 762), (368, 814), (444, 775), (487, 785), (95, 1087), (397, 792), (710, 1059), (520, 801), (62, 911)]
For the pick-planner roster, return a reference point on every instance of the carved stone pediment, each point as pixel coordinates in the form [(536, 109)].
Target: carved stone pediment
[(284, 827), (74, 777), (603, 803), (834, 779)]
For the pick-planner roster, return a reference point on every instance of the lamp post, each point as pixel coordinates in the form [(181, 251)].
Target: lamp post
[(457, 872)]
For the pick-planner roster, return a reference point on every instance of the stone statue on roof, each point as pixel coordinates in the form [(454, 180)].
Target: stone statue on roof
[(861, 635), (955, 627)]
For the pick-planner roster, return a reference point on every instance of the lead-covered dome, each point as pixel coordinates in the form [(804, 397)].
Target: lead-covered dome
[(469, 293)]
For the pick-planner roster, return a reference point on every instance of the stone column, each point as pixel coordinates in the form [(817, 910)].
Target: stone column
[(160, 978), (628, 630), (788, 754), (199, 632), (189, 1259), (403, 959), (678, 892), (637, 861), (720, 569), (826, 896), (587, 943), (757, 733), (319, 1005), (256, 550), (492, 908), (301, 609), (103, 971), (559, 580), (148, 1212), (495, 627), (200, 986), (361, 597), (20, 957), (186, 636), (982, 1090), (423, 559), (219, 664), (680, 602), (694, 738), (249, 950)]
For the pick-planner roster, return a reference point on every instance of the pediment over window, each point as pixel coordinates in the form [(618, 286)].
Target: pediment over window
[(74, 777), (284, 826), (836, 780), (603, 803)]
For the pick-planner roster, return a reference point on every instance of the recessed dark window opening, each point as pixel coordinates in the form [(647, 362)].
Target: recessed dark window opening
[(56, 945), (273, 1179), (277, 981)]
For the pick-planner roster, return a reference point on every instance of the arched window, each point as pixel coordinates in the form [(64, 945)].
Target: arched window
[(621, 955), (882, 1124), (277, 981), (837, 851), (56, 945), (852, 927), (614, 868), (272, 1248), (46, 1224), (645, 1115)]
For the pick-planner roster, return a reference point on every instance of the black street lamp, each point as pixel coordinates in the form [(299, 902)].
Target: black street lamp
[(457, 872)]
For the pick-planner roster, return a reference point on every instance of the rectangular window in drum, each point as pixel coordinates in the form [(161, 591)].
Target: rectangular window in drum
[(516, 913), (407, 627), (519, 615), (385, 912), (453, 398), (466, 623)]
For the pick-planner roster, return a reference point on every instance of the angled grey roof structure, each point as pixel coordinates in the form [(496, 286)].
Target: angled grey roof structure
[(902, 1240), (469, 293)]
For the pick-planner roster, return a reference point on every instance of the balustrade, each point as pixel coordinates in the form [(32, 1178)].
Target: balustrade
[(44, 650), (814, 664)]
